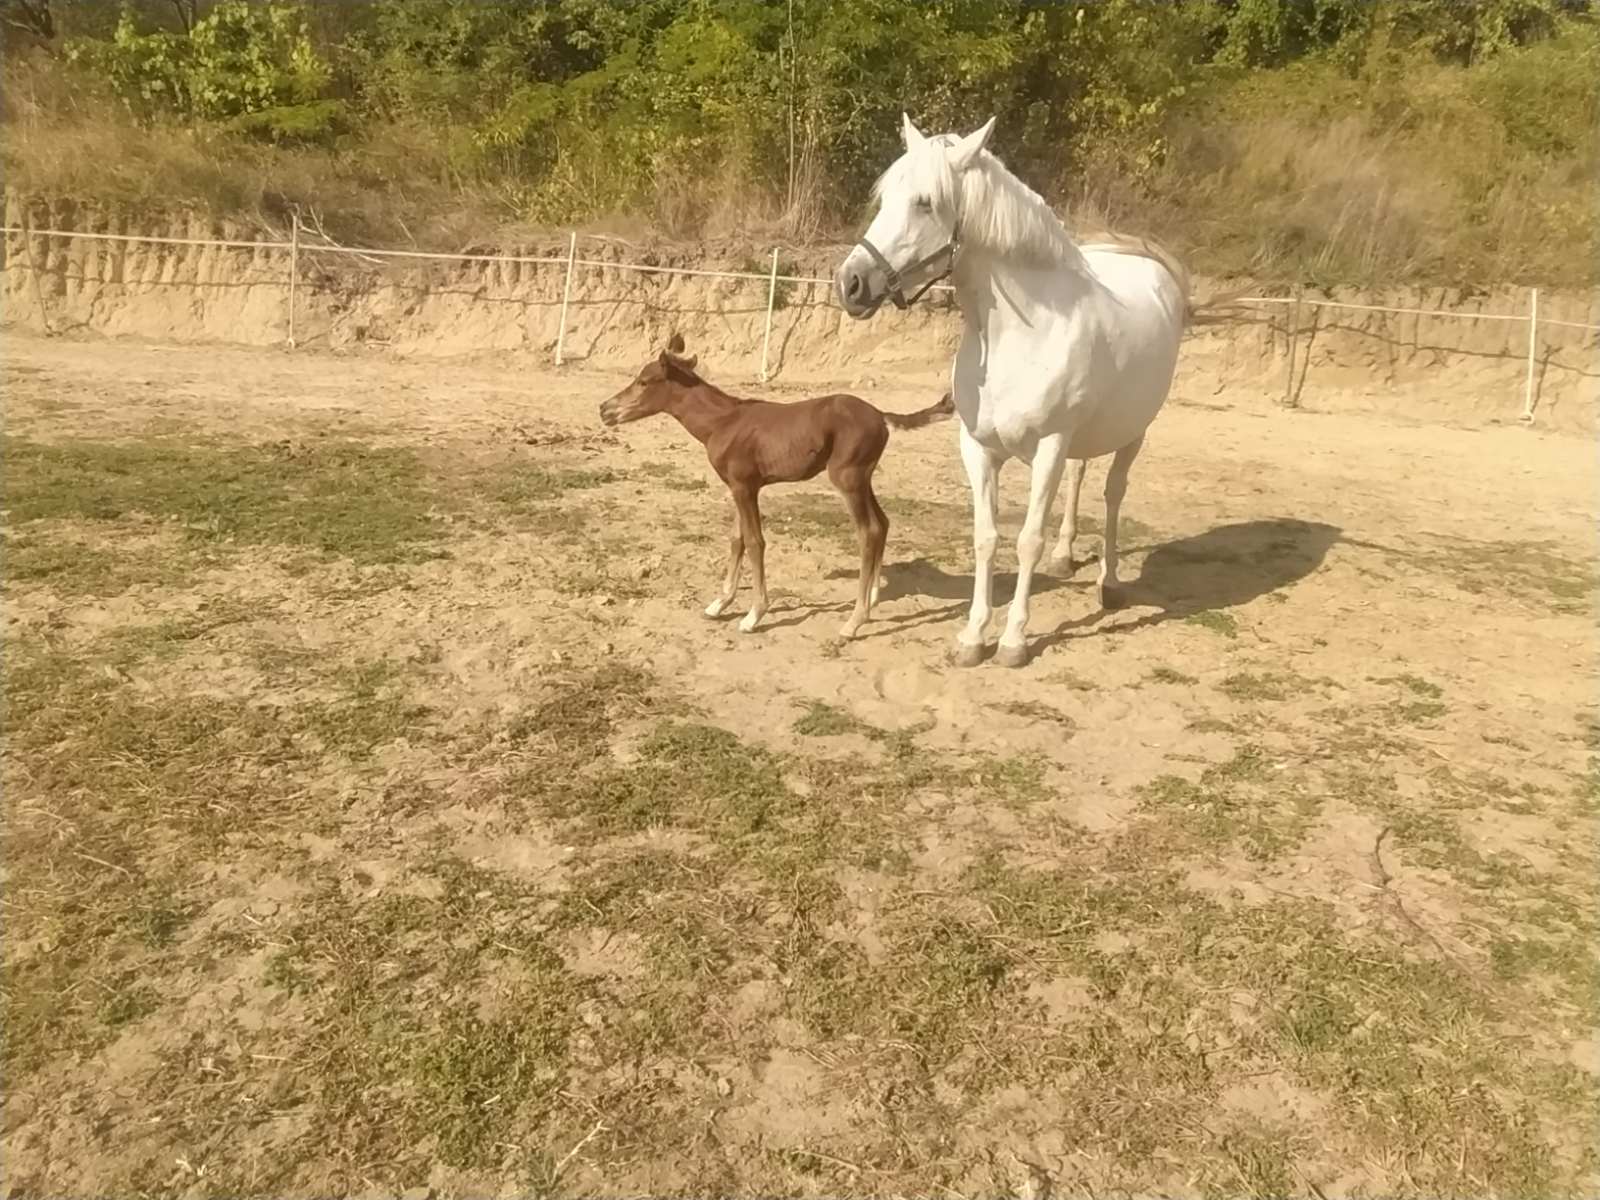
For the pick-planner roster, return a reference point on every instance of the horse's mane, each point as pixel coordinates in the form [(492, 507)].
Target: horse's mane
[(1002, 214)]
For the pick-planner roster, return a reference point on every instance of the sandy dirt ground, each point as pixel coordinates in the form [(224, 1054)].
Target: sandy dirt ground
[(1338, 626)]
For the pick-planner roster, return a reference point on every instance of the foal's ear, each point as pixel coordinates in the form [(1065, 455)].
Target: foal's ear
[(912, 135), (965, 152)]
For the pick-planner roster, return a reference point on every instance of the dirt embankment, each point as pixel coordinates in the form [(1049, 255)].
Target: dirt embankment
[(1405, 365)]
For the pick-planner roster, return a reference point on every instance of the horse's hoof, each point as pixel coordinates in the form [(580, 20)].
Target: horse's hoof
[(717, 607), (850, 631), (1112, 597), (1011, 656), (966, 655), (1064, 565), (749, 622)]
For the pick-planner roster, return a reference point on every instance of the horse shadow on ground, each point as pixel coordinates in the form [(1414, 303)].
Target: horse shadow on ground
[(1224, 567)]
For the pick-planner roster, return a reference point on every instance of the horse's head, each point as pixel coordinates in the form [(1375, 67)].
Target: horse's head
[(911, 242), (654, 387)]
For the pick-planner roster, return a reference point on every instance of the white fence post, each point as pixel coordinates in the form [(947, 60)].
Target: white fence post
[(1533, 353), (1294, 339), (294, 269), (566, 297), (772, 295)]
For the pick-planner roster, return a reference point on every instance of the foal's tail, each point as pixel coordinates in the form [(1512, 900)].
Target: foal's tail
[(941, 411)]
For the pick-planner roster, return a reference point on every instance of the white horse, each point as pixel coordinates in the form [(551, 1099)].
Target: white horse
[(1067, 354)]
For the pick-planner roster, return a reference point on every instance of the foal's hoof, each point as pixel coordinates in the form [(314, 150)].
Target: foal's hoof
[(717, 607), (1064, 565), (967, 655), (1011, 656), (850, 631), (1112, 597), (749, 622)]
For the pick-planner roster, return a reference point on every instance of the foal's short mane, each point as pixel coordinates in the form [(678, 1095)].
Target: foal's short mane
[(1002, 214)]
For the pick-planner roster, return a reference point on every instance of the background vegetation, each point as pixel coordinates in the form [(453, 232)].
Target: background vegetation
[(1363, 141)]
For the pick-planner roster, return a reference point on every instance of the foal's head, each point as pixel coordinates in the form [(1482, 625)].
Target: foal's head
[(658, 381)]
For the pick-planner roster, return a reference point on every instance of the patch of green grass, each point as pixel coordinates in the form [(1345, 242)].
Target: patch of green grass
[(365, 503), (1535, 572), (1233, 804), (1037, 710), (371, 706), (58, 556), (1165, 674), (1414, 684), (1217, 621), (826, 720), (586, 581), (1070, 679), (453, 990), (521, 488), (1015, 781), (1244, 685), (1395, 1047), (673, 478), (693, 777)]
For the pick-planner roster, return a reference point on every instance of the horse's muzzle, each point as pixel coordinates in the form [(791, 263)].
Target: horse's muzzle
[(856, 292)]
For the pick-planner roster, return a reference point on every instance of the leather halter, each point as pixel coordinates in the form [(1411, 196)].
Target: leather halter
[(895, 289)]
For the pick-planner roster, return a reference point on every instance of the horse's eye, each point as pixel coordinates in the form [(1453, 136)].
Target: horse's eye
[(924, 204)]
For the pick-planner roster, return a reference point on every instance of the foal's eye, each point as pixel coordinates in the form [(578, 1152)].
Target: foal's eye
[(924, 204)]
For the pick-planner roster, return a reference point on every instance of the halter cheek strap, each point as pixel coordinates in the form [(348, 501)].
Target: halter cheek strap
[(894, 285)]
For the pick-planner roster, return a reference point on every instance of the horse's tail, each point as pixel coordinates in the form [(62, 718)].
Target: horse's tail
[(1212, 311), (926, 416), (1216, 309), (1109, 241)]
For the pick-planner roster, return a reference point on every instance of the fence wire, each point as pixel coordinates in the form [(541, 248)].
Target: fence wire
[(298, 247)]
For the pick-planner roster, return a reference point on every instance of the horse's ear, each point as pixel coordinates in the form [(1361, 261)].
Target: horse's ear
[(965, 152), (675, 343), (912, 135)]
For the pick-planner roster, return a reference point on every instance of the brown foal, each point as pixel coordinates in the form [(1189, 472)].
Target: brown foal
[(752, 443)]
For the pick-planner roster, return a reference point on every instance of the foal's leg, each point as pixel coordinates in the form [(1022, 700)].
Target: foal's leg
[(1048, 460), (873, 528), (1069, 522), (730, 584), (746, 498), (1116, 487), (983, 474), (882, 525)]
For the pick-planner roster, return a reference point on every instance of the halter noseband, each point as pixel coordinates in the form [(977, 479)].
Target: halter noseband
[(895, 289)]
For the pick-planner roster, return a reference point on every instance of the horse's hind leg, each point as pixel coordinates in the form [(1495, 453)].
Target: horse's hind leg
[(1116, 487), (1069, 523), (730, 583)]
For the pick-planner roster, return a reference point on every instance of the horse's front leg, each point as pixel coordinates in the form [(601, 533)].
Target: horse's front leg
[(1048, 461), (983, 473)]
